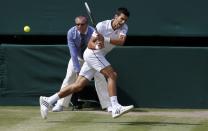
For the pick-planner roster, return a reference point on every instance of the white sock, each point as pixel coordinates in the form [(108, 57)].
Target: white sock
[(114, 101), (53, 98)]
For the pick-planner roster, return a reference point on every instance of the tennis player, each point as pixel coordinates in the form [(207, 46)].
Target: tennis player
[(110, 33)]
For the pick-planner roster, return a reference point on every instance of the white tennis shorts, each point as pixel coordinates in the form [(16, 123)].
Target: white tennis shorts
[(94, 61)]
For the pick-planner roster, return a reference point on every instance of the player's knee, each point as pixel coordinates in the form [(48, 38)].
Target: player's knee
[(112, 75)]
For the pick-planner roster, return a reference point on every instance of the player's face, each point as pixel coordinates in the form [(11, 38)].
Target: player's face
[(120, 20), (81, 25)]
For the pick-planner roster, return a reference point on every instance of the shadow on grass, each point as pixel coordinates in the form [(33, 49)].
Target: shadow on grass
[(139, 110), (149, 123), (57, 121), (155, 123)]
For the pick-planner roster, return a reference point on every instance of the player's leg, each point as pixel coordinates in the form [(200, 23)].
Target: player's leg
[(99, 63), (111, 76), (117, 109), (102, 91), (45, 102)]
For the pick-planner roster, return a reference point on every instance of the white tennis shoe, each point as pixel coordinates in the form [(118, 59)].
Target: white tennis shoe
[(57, 108), (109, 109), (120, 110), (44, 106)]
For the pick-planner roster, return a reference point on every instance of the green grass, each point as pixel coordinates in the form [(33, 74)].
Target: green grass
[(25, 118)]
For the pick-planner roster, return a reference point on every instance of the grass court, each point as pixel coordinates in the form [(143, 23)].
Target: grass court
[(27, 118)]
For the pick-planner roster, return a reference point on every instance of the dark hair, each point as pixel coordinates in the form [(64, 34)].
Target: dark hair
[(82, 17), (123, 10)]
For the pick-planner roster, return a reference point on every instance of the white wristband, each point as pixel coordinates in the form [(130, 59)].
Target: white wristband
[(107, 39), (97, 47)]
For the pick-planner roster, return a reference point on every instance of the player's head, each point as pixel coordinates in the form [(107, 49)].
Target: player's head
[(121, 16), (122, 10), (81, 23)]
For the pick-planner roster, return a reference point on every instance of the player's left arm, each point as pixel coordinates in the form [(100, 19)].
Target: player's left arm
[(121, 37), (120, 41)]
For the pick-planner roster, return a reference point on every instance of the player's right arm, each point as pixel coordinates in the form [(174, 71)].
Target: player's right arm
[(97, 40)]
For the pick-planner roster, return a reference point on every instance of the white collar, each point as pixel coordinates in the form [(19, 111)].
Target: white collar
[(110, 25)]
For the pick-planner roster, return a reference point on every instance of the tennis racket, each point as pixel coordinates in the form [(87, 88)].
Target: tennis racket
[(90, 16)]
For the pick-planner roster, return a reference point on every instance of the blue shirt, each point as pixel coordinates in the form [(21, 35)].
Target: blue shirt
[(76, 46)]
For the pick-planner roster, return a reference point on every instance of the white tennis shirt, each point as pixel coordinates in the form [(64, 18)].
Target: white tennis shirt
[(105, 28)]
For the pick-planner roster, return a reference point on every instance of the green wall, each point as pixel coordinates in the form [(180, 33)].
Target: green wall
[(162, 76), (31, 71), (173, 77), (148, 17)]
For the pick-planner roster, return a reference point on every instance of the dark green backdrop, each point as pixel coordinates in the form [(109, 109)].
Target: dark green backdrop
[(148, 17), (148, 76)]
